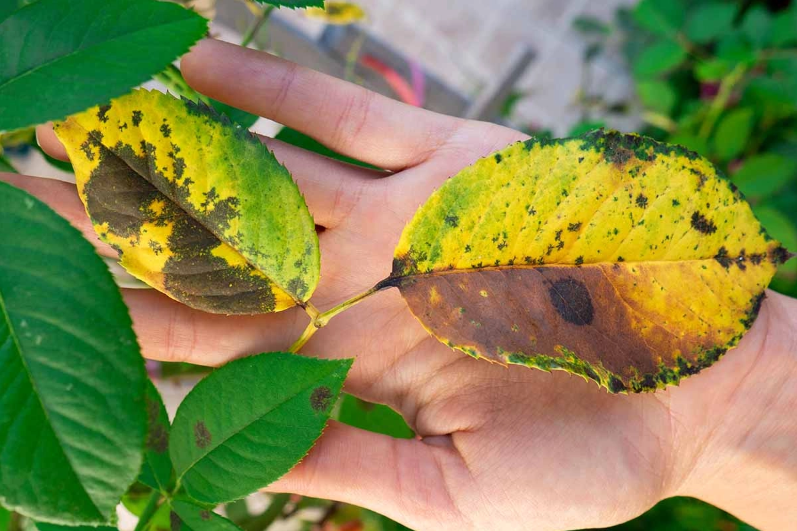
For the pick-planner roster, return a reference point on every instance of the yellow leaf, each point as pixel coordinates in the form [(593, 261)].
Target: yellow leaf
[(627, 261), (341, 13), (195, 205)]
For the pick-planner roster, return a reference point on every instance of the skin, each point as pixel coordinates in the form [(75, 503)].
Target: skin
[(499, 447)]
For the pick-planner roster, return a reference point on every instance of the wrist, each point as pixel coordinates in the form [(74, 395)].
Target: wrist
[(735, 426)]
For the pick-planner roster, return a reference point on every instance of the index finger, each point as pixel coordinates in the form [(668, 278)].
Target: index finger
[(345, 117)]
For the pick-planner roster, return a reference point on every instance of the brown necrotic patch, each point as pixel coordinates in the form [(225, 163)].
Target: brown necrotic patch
[(202, 436), (321, 398), (590, 314)]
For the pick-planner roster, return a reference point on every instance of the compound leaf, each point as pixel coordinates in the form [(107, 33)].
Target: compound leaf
[(97, 48), (257, 416), (628, 261), (72, 418), (197, 207)]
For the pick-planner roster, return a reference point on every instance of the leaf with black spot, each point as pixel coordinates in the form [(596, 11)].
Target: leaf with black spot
[(187, 516), (196, 206), (156, 472), (627, 261), (258, 416)]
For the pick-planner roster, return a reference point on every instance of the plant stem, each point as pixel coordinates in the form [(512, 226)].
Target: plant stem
[(149, 510), (252, 33), (264, 520), (321, 319), (719, 103)]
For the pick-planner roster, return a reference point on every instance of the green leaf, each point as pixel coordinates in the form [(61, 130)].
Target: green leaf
[(784, 27), (734, 48), (733, 133), (99, 49), (658, 96), (156, 472), (757, 26), (5, 519), (71, 376), (295, 138), (710, 20), (712, 70), (763, 175), (584, 127), (690, 141), (658, 58), (377, 418), (239, 116), (293, 4), (42, 526), (591, 26), (9, 6), (196, 206), (186, 516), (5, 165), (661, 18), (257, 416)]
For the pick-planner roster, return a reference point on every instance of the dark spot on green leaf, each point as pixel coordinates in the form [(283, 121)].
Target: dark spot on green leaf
[(202, 437), (204, 514), (780, 255), (452, 221), (321, 398), (571, 300), (498, 158)]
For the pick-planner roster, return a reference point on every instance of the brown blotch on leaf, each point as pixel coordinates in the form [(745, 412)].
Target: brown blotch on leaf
[(702, 224), (137, 117), (780, 255), (573, 227), (723, 258), (158, 438), (166, 131), (202, 436), (174, 521), (102, 113), (204, 514), (321, 398), (572, 301)]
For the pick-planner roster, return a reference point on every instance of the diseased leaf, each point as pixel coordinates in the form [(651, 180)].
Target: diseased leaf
[(627, 261), (257, 416), (341, 13), (197, 207), (186, 516), (72, 417), (156, 471), (99, 49)]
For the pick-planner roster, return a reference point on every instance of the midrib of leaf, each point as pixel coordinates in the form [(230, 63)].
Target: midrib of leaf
[(36, 68), (245, 426), (553, 264), (15, 339)]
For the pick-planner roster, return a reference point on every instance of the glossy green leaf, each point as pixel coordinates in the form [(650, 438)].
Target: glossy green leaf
[(99, 49), (658, 58), (186, 516), (763, 175), (733, 133), (156, 471), (257, 416), (656, 95), (707, 21), (9, 6), (712, 70), (295, 138), (784, 27), (41, 526), (661, 18), (72, 416), (377, 418)]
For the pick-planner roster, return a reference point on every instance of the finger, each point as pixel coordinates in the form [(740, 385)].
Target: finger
[(404, 479), (170, 331), (343, 116), (61, 197), (331, 188)]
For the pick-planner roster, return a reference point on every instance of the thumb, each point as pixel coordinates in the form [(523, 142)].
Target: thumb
[(404, 479)]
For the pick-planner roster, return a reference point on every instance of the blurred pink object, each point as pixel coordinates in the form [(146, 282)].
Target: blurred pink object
[(403, 90)]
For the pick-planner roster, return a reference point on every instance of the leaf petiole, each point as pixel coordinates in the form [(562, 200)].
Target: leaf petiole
[(149, 511), (321, 319)]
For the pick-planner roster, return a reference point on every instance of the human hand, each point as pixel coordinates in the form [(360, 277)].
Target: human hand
[(500, 448)]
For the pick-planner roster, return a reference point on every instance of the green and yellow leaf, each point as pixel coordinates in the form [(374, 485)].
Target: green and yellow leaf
[(627, 261), (196, 206), (341, 13)]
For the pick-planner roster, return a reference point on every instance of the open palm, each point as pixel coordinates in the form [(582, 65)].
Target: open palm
[(499, 447)]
